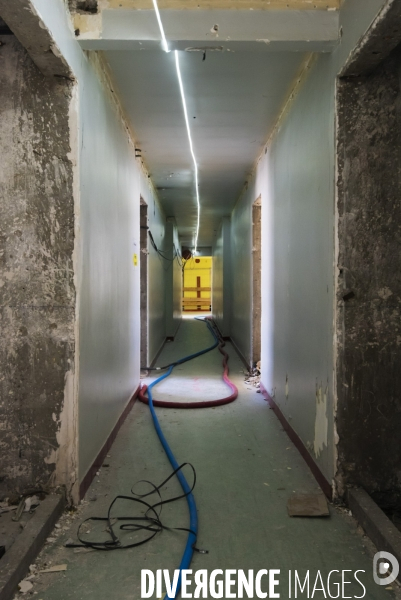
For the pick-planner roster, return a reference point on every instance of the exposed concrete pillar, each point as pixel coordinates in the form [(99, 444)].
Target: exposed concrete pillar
[(37, 291), (369, 283)]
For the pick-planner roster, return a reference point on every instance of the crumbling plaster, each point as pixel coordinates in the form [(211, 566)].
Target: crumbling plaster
[(37, 283), (369, 282), (104, 166)]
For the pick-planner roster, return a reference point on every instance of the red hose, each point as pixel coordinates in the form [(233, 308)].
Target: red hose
[(206, 403)]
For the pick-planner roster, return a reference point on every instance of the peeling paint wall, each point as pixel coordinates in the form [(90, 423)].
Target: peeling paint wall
[(70, 243), (37, 339), (369, 281), (295, 176), (110, 183)]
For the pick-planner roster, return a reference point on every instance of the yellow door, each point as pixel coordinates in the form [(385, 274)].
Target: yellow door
[(197, 284)]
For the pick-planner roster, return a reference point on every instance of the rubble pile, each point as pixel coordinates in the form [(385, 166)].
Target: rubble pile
[(252, 378)]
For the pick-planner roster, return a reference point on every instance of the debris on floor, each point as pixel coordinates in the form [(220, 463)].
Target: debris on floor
[(252, 378), (15, 512), (55, 569), (25, 586), (41, 569), (308, 505)]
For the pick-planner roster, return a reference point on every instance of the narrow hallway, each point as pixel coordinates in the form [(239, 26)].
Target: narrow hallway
[(235, 158), (246, 467)]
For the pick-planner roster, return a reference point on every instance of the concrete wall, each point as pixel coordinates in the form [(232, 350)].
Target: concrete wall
[(221, 278), (173, 279), (296, 180), (37, 291), (369, 280), (106, 271)]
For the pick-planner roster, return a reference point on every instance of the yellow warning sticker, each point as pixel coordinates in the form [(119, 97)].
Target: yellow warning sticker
[(135, 260)]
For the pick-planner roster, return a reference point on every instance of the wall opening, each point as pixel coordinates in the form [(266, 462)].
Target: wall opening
[(144, 281), (256, 280)]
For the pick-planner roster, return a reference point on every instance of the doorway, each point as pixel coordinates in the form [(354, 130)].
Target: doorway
[(197, 281), (144, 281), (256, 281)]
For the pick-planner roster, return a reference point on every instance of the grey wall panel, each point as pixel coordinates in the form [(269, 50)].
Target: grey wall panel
[(173, 279), (109, 286), (241, 246), (157, 267), (218, 279), (296, 179)]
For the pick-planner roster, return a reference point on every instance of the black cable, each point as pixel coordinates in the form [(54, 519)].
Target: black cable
[(149, 522), (161, 252)]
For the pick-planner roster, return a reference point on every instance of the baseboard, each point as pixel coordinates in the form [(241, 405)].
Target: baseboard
[(152, 364), (99, 460), (171, 338), (298, 443), (242, 357)]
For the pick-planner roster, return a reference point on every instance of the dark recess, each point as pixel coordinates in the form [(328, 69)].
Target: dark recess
[(87, 6), (4, 28)]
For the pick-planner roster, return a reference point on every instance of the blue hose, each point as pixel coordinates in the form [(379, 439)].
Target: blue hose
[(193, 515)]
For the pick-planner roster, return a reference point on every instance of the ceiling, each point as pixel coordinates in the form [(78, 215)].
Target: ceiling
[(233, 100)]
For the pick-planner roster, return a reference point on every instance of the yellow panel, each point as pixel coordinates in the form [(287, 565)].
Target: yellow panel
[(194, 268), (227, 4)]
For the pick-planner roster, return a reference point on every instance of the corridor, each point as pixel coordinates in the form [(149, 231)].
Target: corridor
[(236, 158), (246, 470)]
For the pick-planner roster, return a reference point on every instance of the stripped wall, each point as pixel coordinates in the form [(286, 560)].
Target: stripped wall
[(37, 290), (107, 196), (369, 280), (296, 179)]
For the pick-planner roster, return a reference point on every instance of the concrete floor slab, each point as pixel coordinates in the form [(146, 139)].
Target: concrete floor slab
[(247, 469)]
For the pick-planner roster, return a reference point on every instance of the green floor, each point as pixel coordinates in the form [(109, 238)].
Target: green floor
[(246, 467)]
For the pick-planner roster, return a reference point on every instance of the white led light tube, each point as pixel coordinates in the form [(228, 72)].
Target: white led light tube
[(184, 105)]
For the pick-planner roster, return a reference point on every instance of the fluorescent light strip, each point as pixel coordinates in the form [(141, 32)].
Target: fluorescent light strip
[(184, 105), (164, 40)]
